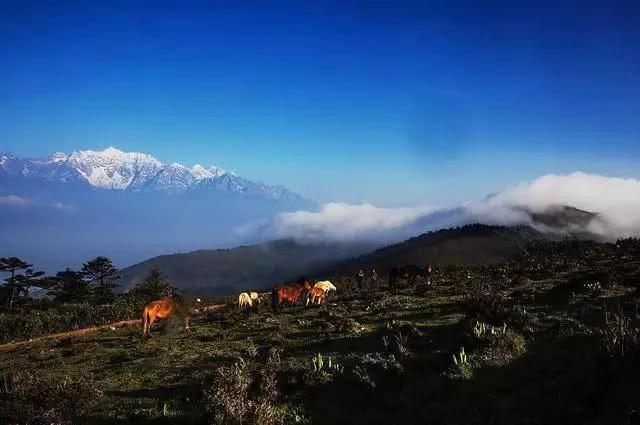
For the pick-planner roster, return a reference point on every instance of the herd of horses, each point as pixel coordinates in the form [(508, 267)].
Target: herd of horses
[(280, 296)]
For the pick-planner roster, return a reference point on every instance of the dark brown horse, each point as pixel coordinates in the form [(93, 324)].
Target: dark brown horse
[(410, 273), (289, 293)]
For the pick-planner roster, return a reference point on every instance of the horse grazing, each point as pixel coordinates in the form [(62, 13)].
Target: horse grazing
[(325, 285), (316, 295), (289, 293), (244, 300), (165, 309), (256, 298), (410, 272)]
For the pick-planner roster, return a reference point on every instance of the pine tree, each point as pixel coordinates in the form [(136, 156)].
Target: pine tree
[(101, 272), (153, 287), (70, 286), (18, 284)]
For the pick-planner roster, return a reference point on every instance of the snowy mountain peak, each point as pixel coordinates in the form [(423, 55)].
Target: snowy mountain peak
[(200, 173), (58, 157), (114, 169)]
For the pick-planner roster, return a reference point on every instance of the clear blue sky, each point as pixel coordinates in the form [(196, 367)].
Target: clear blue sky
[(394, 102)]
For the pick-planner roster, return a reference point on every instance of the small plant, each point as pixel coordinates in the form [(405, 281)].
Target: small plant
[(620, 339), (395, 341), (461, 368), (461, 359), (362, 375), (593, 288), (479, 329), (483, 330), (324, 368)]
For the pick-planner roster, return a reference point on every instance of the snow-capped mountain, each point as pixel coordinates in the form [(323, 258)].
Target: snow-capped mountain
[(113, 169), (59, 210)]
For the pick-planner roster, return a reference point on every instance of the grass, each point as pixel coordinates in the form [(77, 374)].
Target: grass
[(392, 360)]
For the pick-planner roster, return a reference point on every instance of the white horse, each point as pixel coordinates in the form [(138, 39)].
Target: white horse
[(244, 300), (325, 285)]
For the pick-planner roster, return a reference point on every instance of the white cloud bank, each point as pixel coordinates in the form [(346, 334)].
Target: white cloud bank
[(615, 200), (341, 221)]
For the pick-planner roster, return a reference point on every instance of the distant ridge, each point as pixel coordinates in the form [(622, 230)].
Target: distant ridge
[(468, 245), (256, 267)]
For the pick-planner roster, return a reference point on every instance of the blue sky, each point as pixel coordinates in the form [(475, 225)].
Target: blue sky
[(396, 102)]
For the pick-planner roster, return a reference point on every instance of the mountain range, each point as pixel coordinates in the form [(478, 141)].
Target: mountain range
[(113, 169), (64, 209)]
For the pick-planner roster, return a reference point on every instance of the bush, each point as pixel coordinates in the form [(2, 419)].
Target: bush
[(484, 301), (497, 346), (620, 339), (30, 398), (31, 323), (237, 397)]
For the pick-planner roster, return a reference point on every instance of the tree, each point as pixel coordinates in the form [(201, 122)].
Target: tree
[(70, 286), (154, 286), (18, 285), (101, 272)]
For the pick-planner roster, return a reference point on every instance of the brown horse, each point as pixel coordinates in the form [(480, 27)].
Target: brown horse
[(165, 309), (410, 272), (289, 293), (316, 295)]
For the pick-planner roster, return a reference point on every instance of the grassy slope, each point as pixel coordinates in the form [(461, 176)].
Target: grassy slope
[(558, 380)]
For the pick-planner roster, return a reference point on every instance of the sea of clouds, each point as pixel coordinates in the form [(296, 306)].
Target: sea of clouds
[(616, 201)]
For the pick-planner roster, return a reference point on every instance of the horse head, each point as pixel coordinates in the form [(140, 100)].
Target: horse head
[(307, 285)]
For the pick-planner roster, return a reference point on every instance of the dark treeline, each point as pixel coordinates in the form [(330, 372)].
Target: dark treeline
[(34, 304)]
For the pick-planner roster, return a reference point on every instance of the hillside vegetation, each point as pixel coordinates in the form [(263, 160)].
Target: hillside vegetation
[(548, 337), (224, 271)]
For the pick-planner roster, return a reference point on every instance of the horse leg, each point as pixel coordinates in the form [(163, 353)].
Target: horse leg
[(152, 318), (186, 324), (145, 318)]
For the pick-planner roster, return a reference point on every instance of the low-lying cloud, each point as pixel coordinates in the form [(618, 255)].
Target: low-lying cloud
[(15, 200), (616, 201), (345, 222), (12, 200)]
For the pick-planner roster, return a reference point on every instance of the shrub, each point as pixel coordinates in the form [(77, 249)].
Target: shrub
[(498, 346), (620, 339), (31, 323), (396, 337), (31, 398), (484, 300), (237, 397)]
